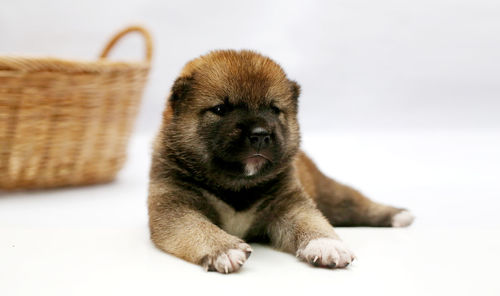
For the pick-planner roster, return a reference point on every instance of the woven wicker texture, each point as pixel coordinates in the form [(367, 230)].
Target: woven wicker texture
[(66, 123)]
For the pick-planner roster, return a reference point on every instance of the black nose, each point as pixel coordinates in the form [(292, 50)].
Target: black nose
[(259, 138)]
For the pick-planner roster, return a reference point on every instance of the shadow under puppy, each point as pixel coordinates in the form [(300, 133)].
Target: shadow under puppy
[(227, 169)]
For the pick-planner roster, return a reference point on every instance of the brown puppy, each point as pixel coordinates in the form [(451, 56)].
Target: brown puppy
[(227, 168)]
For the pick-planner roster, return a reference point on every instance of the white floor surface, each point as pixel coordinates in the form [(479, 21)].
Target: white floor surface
[(94, 240)]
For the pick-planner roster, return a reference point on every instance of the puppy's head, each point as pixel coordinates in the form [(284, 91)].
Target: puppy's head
[(233, 117)]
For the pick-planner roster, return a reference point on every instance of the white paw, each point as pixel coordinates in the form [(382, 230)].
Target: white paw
[(326, 252), (229, 261), (402, 219)]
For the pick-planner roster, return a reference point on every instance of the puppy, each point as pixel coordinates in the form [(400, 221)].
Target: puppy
[(227, 169)]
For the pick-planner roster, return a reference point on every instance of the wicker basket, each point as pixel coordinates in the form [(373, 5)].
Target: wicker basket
[(65, 123)]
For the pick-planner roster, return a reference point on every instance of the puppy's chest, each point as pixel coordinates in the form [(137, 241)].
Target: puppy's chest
[(237, 223)]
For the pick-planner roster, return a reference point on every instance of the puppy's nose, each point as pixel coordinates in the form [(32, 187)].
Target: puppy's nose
[(260, 138)]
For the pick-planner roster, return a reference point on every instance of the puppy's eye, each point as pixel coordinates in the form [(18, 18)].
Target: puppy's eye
[(275, 109), (220, 110)]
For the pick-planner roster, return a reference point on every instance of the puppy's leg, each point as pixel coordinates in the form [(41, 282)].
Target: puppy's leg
[(345, 206), (299, 228), (179, 228)]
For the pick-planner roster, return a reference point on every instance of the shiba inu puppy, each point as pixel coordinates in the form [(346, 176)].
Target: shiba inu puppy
[(227, 169)]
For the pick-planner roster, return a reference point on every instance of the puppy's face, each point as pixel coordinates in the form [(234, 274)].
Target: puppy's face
[(235, 117)]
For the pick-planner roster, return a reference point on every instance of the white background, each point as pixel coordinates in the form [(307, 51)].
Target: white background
[(399, 98), (362, 64)]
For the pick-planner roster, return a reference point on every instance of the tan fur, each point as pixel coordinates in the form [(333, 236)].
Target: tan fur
[(185, 232), (233, 222), (187, 216)]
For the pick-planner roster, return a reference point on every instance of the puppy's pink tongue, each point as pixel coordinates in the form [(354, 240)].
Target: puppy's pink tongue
[(254, 164)]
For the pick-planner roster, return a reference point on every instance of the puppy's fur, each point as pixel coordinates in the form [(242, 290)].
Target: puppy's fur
[(227, 168)]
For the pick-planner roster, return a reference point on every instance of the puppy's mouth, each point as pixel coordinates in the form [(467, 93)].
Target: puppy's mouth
[(258, 156), (255, 163)]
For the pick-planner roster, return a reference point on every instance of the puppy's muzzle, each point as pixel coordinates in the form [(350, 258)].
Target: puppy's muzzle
[(260, 138)]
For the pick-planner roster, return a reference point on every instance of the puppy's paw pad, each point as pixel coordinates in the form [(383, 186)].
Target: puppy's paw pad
[(326, 252), (228, 261), (402, 219)]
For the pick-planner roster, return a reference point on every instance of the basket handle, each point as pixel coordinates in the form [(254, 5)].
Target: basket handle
[(145, 34)]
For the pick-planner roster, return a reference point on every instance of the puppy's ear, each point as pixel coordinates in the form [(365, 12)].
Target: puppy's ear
[(181, 87), (295, 90)]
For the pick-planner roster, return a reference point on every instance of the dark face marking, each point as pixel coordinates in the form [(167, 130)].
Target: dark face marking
[(241, 142)]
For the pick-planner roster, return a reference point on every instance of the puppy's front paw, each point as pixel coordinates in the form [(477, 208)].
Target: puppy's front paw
[(326, 252), (402, 219), (227, 261)]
